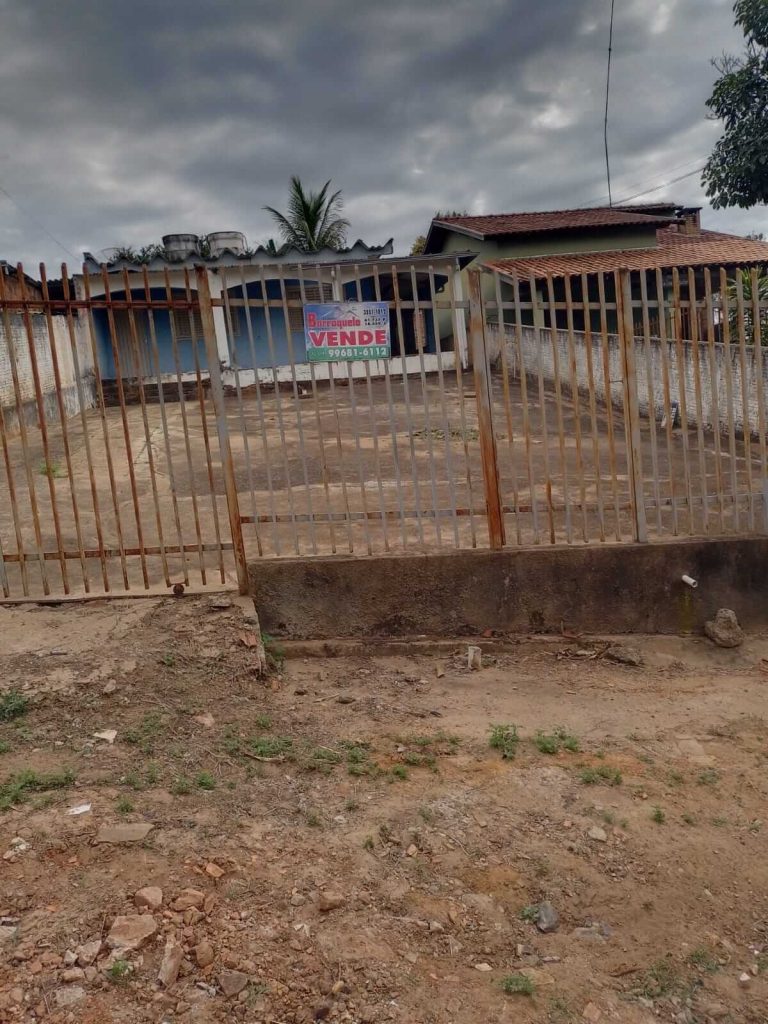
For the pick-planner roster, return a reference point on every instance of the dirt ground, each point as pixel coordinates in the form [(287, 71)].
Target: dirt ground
[(343, 842)]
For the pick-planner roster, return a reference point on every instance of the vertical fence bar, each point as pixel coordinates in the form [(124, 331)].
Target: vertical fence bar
[(576, 406), (651, 396), (538, 325), (605, 346), (714, 396), (757, 335), (12, 497), (524, 403), (668, 415), (102, 411), (419, 342), (745, 424), (593, 404), (484, 398), (505, 374), (553, 333), (682, 397), (728, 360), (631, 405), (693, 305), (457, 364), (33, 506), (217, 394)]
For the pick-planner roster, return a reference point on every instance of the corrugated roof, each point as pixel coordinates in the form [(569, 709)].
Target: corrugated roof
[(551, 220), (674, 249)]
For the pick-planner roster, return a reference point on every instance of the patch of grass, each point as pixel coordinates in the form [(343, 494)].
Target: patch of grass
[(4, 747), (559, 1011), (658, 815), (529, 913), (52, 469), (504, 738), (688, 818), (263, 721), (660, 979), (17, 788), (709, 777), (351, 805), (146, 733), (602, 773), (168, 659), (274, 651), (181, 786), (719, 822), (314, 820), (204, 780), (419, 760), (134, 781), (554, 742), (270, 746), (675, 778), (608, 817), (703, 960), (119, 972), (124, 805), (426, 814), (13, 704), (400, 772), (517, 985), (368, 843)]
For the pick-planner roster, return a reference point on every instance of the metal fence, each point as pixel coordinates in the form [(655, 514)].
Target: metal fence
[(162, 427)]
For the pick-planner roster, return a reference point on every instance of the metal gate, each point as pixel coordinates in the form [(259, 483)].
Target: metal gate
[(159, 426)]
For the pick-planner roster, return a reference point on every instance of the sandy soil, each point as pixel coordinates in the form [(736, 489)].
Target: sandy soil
[(355, 848)]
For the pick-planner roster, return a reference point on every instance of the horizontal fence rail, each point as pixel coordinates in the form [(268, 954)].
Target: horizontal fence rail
[(164, 428)]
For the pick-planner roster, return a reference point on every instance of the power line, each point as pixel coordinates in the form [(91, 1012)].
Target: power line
[(42, 226), (649, 182), (664, 184), (607, 96)]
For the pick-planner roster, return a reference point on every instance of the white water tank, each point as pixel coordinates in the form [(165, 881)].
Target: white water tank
[(221, 240), (178, 247)]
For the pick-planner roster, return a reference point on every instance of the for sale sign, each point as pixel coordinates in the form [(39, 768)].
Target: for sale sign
[(346, 330)]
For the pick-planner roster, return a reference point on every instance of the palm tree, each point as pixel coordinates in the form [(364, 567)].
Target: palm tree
[(313, 220), (748, 298)]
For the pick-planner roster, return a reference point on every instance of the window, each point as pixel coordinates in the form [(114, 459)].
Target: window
[(186, 324), (311, 294)]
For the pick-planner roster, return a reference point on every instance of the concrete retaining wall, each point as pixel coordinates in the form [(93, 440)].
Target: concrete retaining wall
[(649, 360), (69, 390), (606, 589)]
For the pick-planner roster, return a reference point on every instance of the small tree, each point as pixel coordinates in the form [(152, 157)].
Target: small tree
[(313, 220), (749, 294), (736, 173)]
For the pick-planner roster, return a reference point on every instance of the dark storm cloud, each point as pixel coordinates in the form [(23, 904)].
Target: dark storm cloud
[(122, 121)]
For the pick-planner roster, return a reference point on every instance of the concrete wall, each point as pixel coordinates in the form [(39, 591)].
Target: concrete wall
[(42, 346), (600, 589), (713, 374)]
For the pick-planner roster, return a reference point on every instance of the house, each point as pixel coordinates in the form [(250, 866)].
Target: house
[(258, 297), (553, 245)]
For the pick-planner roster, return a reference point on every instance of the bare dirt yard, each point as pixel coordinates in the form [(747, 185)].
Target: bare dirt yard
[(375, 836)]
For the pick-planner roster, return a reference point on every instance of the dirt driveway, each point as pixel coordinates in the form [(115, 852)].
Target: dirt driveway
[(343, 842)]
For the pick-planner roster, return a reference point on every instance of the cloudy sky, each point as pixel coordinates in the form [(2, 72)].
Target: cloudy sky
[(123, 120)]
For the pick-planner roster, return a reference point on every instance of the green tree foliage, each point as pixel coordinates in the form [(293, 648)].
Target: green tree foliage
[(313, 219), (736, 173), (744, 284)]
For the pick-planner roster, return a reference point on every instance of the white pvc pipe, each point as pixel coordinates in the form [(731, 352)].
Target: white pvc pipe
[(689, 581)]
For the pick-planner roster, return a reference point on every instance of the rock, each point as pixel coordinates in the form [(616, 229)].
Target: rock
[(623, 654), (483, 968), (131, 931), (204, 953), (206, 719), (330, 901), (73, 974), (724, 630), (593, 933), (151, 896), (91, 974), (232, 983), (592, 1013), (344, 698), (712, 1009), (745, 980), (219, 603), (412, 850), (439, 671), (435, 926), (109, 687), (214, 871), (323, 1010), (130, 832), (8, 933), (171, 963), (547, 918), (70, 958), (598, 834), (69, 996), (87, 953), (297, 899), (107, 735), (474, 658), (187, 899)]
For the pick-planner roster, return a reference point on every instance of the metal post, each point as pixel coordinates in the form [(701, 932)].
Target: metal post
[(632, 434), (217, 393), (482, 377)]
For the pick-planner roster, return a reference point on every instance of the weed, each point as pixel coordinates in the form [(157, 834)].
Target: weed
[(270, 746), (609, 817), (356, 754), (426, 814), (52, 469), (755, 826), (529, 913), (719, 822), (368, 843), (13, 704), (709, 777), (274, 651), (624, 823), (123, 805), (314, 820), (204, 780), (552, 743), (145, 734), (506, 739), (559, 1010), (400, 772), (263, 721), (661, 979), (324, 757), (4, 747), (658, 815), (153, 775), (675, 778), (351, 805), (419, 760), (181, 787), (688, 818), (119, 972), (542, 868), (603, 773), (134, 781), (168, 659), (703, 961), (16, 789), (517, 985)]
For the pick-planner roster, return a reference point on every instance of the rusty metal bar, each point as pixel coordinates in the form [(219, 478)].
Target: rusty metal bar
[(484, 398), (682, 397), (576, 406), (524, 401), (453, 278), (727, 359), (757, 336), (22, 558), (553, 333), (693, 317), (593, 404), (607, 383), (631, 405), (537, 313), (651, 396), (505, 374), (217, 394), (745, 423), (714, 396), (668, 415)]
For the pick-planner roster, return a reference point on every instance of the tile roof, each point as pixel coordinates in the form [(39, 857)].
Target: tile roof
[(674, 249), (552, 220)]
